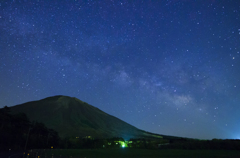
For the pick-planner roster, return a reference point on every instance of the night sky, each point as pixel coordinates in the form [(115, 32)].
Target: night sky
[(167, 67)]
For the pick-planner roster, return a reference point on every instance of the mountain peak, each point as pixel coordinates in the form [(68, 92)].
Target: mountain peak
[(64, 101)]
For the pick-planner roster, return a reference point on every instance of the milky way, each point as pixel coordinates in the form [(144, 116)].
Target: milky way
[(168, 67)]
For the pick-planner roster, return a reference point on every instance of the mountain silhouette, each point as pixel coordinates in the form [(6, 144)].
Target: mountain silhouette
[(71, 117)]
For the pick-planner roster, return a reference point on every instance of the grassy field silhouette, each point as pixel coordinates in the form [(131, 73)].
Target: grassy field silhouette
[(130, 153)]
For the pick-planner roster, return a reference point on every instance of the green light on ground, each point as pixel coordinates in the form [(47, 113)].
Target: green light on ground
[(123, 144)]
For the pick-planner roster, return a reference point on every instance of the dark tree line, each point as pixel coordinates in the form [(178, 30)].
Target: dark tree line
[(143, 143), (194, 144), (18, 133), (90, 143)]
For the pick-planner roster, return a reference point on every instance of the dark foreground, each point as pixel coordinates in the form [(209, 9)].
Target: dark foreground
[(132, 153)]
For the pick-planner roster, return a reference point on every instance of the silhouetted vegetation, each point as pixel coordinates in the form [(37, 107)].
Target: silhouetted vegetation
[(194, 144), (142, 143), (18, 133), (146, 143), (91, 143)]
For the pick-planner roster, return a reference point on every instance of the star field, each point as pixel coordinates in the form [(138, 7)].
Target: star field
[(169, 67)]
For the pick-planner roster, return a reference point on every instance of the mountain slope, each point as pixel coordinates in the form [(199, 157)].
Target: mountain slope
[(71, 117)]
